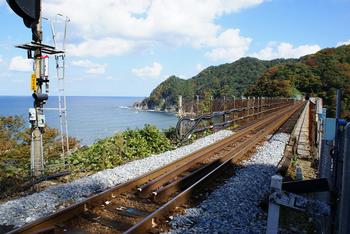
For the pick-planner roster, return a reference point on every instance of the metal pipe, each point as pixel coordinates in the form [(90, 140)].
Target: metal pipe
[(344, 224)]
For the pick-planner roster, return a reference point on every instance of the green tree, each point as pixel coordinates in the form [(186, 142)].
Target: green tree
[(15, 150)]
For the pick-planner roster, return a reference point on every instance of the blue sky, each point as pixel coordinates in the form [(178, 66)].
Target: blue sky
[(126, 48)]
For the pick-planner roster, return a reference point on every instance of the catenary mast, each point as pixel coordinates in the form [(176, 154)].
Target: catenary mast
[(30, 11)]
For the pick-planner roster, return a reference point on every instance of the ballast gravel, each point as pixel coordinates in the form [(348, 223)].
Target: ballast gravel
[(27, 209), (234, 207)]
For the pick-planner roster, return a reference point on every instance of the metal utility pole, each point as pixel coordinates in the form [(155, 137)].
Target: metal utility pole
[(30, 11), (37, 156)]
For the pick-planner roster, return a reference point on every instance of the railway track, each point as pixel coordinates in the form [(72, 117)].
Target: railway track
[(138, 205)]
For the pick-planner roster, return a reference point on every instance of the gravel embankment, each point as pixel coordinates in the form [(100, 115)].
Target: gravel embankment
[(234, 207), (27, 209)]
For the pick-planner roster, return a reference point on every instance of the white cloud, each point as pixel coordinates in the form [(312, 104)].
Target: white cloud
[(100, 48), (228, 46), (285, 50), (199, 67), (343, 43), (153, 70), (145, 22), (18, 63), (92, 68)]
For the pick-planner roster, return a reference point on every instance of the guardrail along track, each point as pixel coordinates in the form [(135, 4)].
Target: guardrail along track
[(135, 206)]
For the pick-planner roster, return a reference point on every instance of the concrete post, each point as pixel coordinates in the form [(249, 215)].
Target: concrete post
[(224, 98), (262, 103), (180, 114), (234, 107), (344, 217), (248, 106), (180, 111), (197, 109), (298, 173), (319, 120), (37, 157), (224, 116), (274, 209), (253, 105)]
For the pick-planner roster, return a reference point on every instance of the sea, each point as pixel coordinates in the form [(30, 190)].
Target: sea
[(91, 118)]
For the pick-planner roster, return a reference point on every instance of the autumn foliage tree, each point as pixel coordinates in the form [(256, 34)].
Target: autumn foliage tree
[(15, 142), (319, 74)]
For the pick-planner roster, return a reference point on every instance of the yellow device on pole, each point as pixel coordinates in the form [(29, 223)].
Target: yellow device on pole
[(33, 83)]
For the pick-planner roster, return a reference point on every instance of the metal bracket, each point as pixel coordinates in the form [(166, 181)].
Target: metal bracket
[(306, 186), (301, 203), (46, 49)]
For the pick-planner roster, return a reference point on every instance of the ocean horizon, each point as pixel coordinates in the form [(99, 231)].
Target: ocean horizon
[(91, 117)]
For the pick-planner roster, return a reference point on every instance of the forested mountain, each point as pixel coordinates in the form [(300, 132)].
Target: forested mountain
[(231, 79), (318, 74)]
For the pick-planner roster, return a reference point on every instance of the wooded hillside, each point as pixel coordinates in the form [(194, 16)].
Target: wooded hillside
[(318, 74), (231, 79)]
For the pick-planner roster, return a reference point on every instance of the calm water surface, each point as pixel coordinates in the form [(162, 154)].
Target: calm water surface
[(91, 118)]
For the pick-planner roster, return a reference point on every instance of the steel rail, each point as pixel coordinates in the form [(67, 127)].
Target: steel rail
[(63, 215), (145, 189), (148, 222), (182, 183)]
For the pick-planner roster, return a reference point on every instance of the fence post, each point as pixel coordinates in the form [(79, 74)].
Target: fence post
[(224, 115), (262, 103), (274, 209), (180, 111), (224, 102), (253, 106), (234, 107), (344, 225), (197, 109), (248, 106)]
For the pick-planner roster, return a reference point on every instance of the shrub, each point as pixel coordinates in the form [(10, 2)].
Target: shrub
[(120, 148), (15, 142)]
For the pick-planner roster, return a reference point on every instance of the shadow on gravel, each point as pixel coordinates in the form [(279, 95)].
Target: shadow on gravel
[(237, 204)]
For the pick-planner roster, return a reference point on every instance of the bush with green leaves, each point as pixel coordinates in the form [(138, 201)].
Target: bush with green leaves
[(120, 148), (15, 140)]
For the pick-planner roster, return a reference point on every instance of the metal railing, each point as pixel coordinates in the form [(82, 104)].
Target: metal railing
[(191, 120), (331, 190)]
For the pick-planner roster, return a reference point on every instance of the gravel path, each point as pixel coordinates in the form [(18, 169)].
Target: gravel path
[(27, 209), (234, 207)]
